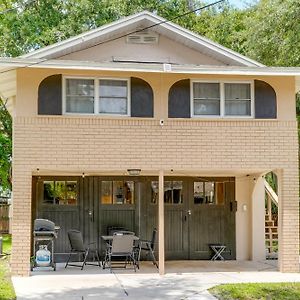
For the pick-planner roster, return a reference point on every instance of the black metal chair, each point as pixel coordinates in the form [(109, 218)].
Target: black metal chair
[(149, 247), (122, 246), (77, 247)]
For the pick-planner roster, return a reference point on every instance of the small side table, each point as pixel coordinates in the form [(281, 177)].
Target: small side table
[(218, 250)]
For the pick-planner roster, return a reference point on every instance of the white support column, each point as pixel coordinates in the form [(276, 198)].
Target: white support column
[(161, 224), (258, 219)]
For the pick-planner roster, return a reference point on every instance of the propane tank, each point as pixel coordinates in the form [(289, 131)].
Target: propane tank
[(43, 256)]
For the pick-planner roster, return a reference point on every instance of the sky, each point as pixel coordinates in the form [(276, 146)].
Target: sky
[(239, 3)]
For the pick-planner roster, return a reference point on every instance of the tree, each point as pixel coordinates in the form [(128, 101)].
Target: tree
[(275, 24), (5, 148)]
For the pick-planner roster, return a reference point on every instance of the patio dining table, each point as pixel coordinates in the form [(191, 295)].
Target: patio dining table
[(109, 238)]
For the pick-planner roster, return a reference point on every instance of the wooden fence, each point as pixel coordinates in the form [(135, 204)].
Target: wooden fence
[(4, 218)]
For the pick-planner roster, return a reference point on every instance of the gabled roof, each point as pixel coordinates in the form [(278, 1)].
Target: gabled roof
[(130, 24)]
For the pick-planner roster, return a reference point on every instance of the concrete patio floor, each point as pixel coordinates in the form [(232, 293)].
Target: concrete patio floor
[(185, 280)]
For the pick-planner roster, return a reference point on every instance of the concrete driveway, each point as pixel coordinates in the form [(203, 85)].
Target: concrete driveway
[(185, 280)]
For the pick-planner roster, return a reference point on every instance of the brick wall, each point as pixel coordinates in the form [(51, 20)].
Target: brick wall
[(83, 144)]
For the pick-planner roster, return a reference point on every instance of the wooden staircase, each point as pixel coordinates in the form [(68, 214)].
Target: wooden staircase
[(271, 228), (271, 237)]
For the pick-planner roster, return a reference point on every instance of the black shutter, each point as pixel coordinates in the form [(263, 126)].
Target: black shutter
[(141, 98), (179, 100), (265, 101), (50, 96)]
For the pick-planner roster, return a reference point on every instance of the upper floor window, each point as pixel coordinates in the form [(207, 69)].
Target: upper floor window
[(222, 99), (96, 96)]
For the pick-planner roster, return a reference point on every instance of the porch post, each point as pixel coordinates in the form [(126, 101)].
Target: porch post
[(161, 224)]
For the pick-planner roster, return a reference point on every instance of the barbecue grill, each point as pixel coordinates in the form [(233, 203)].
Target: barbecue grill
[(45, 232)]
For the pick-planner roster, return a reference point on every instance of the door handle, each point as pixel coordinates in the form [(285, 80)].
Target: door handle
[(91, 214), (189, 212)]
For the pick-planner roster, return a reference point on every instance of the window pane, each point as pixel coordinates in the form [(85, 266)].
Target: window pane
[(49, 192), (80, 87), (236, 91), (238, 108), (207, 107), (177, 192), (168, 192), (154, 189), (60, 192), (113, 105), (198, 193), (209, 189), (113, 88), (173, 192), (129, 192), (118, 193), (113, 97), (203, 90), (106, 192), (220, 193), (71, 187), (76, 104), (206, 98), (80, 95)]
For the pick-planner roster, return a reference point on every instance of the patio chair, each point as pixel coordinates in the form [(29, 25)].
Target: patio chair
[(122, 246), (148, 246), (77, 247)]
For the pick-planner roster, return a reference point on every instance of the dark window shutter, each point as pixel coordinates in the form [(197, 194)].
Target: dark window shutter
[(141, 98), (179, 105), (265, 101), (50, 96)]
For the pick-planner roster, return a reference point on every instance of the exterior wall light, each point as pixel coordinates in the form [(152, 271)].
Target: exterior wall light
[(134, 172)]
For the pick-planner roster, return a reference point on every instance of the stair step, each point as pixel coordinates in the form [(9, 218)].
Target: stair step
[(273, 240), (271, 227), (272, 234)]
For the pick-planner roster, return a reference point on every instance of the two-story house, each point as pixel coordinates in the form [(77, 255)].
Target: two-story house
[(141, 123)]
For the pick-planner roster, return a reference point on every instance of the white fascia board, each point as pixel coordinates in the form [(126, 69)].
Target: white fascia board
[(91, 34), (179, 69), (11, 64), (202, 41)]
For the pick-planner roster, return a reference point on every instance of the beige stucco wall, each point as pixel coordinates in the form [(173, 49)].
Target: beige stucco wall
[(93, 144), (29, 80)]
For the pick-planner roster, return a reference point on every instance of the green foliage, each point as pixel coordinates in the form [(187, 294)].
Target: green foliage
[(273, 35), (6, 288), (5, 148), (6, 239), (257, 291)]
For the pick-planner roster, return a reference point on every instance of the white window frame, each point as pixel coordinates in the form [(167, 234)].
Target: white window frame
[(222, 99), (96, 96)]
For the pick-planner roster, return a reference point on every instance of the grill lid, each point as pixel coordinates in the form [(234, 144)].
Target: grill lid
[(43, 225)]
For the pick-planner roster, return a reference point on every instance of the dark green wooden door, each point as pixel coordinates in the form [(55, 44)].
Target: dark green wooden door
[(211, 217), (199, 213)]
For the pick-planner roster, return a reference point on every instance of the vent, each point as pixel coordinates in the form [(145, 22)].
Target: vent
[(142, 38)]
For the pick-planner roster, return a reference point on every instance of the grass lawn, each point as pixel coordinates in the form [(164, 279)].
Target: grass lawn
[(6, 289), (257, 291)]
